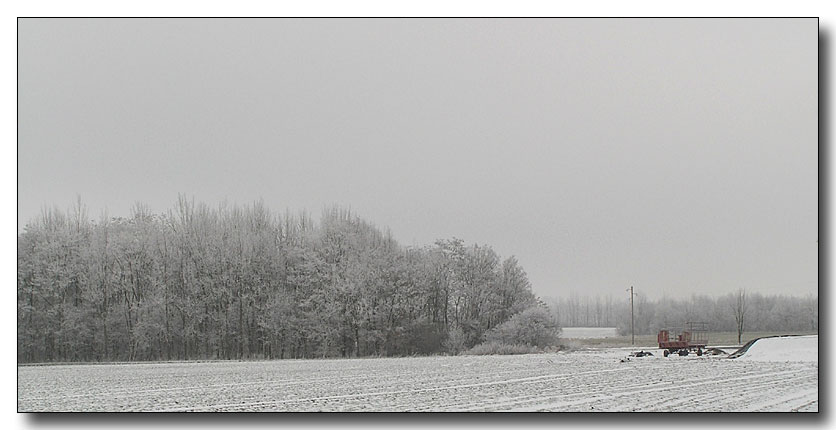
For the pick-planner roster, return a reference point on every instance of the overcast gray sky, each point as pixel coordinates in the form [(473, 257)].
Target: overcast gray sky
[(677, 156)]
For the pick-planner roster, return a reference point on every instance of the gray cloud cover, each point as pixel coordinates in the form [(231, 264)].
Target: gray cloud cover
[(676, 155)]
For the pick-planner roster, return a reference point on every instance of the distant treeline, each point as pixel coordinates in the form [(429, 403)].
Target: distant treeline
[(243, 282), (767, 313)]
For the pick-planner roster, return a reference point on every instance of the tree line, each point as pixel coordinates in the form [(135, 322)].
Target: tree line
[(736, 311), (233, 282)]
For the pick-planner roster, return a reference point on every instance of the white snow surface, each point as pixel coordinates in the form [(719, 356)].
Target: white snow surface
[(589, 332), (594, 380), (782, 349)]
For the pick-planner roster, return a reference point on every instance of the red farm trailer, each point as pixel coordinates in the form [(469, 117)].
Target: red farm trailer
[(694, 337)]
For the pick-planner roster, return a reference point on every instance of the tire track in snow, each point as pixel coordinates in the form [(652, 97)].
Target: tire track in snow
[(374, 394), (352, 381), (731, 391), (622, 398), (580, 387)]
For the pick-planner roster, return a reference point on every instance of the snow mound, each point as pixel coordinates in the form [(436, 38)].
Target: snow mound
[(589, 332), (784, 348)]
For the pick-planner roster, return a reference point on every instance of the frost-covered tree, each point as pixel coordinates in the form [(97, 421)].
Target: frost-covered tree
[(242, 282)]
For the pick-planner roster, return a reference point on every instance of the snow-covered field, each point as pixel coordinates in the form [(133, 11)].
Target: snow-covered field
[(791, 348), (593, 380), (589, 332)]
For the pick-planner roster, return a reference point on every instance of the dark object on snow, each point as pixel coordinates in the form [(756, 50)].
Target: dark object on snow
[(641, 354), (745, 348)]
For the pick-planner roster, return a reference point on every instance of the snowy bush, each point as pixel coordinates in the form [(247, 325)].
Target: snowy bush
[(532, 330), (534, 326)]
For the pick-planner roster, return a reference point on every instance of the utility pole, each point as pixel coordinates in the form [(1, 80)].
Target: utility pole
[(632, 332)]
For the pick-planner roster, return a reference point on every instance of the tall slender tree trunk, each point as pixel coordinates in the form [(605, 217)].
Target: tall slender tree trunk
[(240, 327)]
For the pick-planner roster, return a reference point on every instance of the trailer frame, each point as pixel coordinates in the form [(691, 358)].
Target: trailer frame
[(692, 337)]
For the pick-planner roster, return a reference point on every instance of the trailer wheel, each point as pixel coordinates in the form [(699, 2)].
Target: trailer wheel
[(699, 352), (683, 352), (666, 353)]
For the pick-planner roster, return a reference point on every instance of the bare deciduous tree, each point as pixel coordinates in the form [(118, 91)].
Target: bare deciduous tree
[(739, 308)]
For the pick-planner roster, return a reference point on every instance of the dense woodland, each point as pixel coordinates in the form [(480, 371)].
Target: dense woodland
[(227, 282), (757, 312), (242, 282)]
